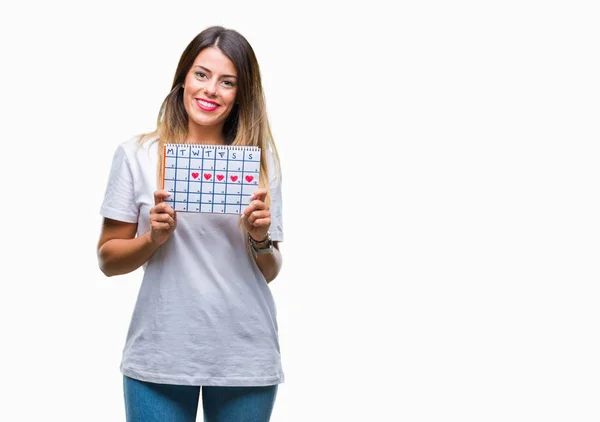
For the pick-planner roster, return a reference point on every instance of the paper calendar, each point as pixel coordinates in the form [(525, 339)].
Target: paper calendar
[(210, 178)]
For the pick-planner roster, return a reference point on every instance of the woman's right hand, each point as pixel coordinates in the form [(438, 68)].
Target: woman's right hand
[(163, 219)]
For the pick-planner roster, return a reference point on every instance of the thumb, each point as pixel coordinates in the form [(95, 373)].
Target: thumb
[(160, 195)]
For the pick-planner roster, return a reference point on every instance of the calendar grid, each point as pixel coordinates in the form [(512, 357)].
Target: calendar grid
[(187, 197), (243, 162), (175, 184), (220, 184), (226, 179), (201, 181), (213, 181)]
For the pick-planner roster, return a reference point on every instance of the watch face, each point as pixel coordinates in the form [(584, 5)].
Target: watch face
[(264, 251)]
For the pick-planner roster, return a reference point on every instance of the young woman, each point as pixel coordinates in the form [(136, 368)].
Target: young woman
[(204, 319)]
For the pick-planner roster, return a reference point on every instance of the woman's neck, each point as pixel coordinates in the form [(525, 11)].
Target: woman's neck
[(211, 135)]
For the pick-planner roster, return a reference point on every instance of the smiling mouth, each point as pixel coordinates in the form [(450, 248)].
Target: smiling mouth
[(205, 105)]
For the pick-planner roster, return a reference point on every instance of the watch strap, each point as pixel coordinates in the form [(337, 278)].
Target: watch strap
[(264, 247)]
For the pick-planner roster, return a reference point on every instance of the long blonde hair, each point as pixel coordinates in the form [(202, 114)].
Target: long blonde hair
[(247, 123)]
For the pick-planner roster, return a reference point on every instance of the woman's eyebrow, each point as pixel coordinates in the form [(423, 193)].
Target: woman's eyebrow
[(210, 71)]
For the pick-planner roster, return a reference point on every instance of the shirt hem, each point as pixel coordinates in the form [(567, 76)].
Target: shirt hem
[(117, 215), (199, 381)]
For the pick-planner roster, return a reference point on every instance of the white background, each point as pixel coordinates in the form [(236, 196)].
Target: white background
[(440, 166)]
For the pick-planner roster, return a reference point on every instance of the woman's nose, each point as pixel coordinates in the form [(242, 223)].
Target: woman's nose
[(210, 89)]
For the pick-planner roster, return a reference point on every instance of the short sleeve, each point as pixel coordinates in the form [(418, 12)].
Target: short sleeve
[(276, 202), (119, 198)]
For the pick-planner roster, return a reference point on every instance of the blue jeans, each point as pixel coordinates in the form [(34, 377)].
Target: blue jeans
[(150, 402)]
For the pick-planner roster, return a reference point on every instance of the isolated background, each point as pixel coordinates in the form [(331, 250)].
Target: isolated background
[(440, 165)]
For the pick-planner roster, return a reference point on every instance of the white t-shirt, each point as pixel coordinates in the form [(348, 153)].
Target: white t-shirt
[(204, 314)]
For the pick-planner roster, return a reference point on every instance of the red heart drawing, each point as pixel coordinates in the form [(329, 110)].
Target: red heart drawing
[(207, 176), (249, 178), (220, 177), (195, 175), (233, 178)]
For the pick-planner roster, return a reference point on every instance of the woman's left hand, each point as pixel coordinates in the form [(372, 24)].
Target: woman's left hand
[(256, 218)]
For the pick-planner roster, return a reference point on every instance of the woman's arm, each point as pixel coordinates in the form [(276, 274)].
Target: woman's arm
[(120, 252), (269, 264), (256, 220)]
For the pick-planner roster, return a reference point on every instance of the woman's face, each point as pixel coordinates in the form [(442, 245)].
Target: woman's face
[(210, 88)]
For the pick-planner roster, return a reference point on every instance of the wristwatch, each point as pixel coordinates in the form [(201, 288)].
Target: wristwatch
[(264, 247)]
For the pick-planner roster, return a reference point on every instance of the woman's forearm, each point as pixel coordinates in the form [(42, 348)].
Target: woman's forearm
[(269, 264), (121, 256)]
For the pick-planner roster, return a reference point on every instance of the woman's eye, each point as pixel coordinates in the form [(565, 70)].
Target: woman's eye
[(200, 74), (228, 83)]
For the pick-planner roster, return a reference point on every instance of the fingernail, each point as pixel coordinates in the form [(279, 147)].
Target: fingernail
[(243, 216)]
